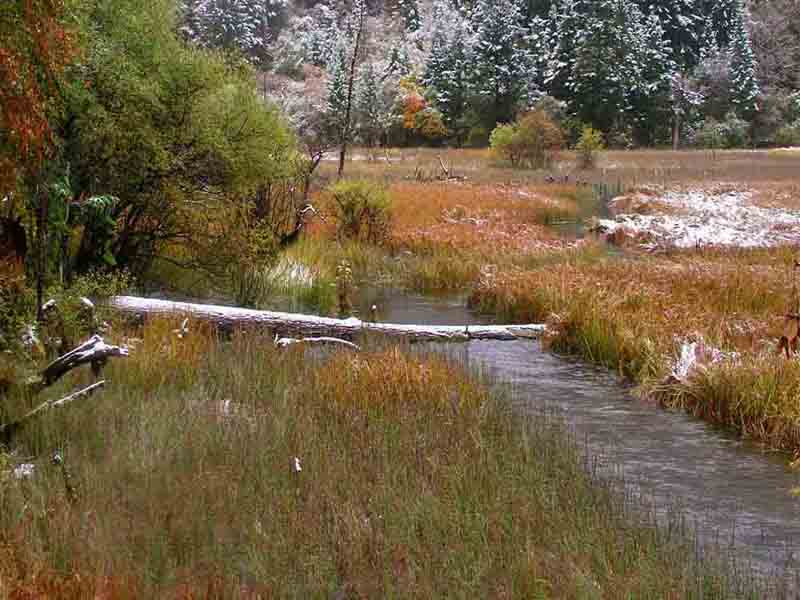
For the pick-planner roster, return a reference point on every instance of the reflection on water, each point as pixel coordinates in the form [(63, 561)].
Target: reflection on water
[(730, 490)]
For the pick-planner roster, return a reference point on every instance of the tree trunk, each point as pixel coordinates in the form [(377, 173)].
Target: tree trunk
[(676, 132), (41, 262), (350, 85), (294, 324)]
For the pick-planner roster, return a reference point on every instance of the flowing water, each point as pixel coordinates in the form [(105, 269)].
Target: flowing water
[(732, 493)]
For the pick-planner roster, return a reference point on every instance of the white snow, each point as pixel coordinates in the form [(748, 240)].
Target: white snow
[(24, 471), (696, 354), (706, 218)]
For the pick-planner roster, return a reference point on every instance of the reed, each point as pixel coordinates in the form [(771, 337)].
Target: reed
[(632, 315), (225, 468)]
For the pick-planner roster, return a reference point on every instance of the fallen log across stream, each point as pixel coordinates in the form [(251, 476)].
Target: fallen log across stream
[(288, 323)]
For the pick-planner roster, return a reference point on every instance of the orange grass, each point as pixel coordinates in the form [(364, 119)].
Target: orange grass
[(498, 219), (631, 315)]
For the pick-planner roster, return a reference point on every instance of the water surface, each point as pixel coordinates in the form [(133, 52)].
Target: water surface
[(731, 491)]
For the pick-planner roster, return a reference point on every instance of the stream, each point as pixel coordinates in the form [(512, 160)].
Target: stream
[(730, 492)]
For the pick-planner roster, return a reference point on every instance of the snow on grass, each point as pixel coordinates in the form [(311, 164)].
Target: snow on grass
[(719, 216)]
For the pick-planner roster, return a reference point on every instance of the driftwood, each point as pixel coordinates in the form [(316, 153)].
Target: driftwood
[(312, 326), (9, 430), (93, 351), (316, 341)]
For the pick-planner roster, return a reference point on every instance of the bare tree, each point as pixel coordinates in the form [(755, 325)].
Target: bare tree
[(357, 21)]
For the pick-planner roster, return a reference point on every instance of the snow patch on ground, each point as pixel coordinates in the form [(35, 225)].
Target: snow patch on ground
[(696, 354), (715, 217)]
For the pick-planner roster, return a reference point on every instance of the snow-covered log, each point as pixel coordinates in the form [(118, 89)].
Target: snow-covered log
[(308, 325)]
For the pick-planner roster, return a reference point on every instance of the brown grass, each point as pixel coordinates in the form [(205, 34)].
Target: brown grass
[(631, 316), (497, 219), (653, 167)]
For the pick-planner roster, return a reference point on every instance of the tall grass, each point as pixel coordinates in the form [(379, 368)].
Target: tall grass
[(226, 468), (631, 315)]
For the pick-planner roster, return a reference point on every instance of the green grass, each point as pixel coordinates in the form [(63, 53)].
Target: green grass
[(416, 481)]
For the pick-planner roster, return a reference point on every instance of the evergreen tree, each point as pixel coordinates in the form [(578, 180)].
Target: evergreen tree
[(618, 75), (336, 105), (566, 29), (369, 104), (537, 56), (721, 16), (319, 39), (532, 9), (445, 71), (245, 25), (497, 60), (682, 22), (744, 87), (408, 12)]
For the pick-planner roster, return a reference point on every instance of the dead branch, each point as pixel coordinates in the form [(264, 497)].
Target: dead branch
[(9, 430), (316, 341)]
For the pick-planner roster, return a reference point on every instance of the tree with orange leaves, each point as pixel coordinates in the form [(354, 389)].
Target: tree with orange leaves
[(35, 48)]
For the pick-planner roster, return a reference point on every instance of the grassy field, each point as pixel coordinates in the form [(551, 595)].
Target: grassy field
[(228, 469), (631, 167), (490, 236)]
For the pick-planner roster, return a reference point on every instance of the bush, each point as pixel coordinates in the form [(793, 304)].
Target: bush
[(363, 211), (532, 140), (478, 137), (788, 135), (730, 133), (589, 144)]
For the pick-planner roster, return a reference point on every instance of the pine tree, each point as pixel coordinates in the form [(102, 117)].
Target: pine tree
[(497, 60), (682, 22), (321, 37), (369, 104), (617, 73), (744, 87), (337, 88), (445, 71), (232, 24), (408, 12), (565, 31), (721, 16)]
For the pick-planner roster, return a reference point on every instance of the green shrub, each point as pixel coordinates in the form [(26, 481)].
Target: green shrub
[(478, 137), (501, 142), (589, 145), (788, 135), (533, 140), (362, 211), (730, 133)]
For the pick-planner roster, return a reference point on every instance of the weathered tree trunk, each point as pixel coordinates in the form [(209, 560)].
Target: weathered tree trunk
[(676, 132), (93, 351), (294, 324), (351, 80)]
